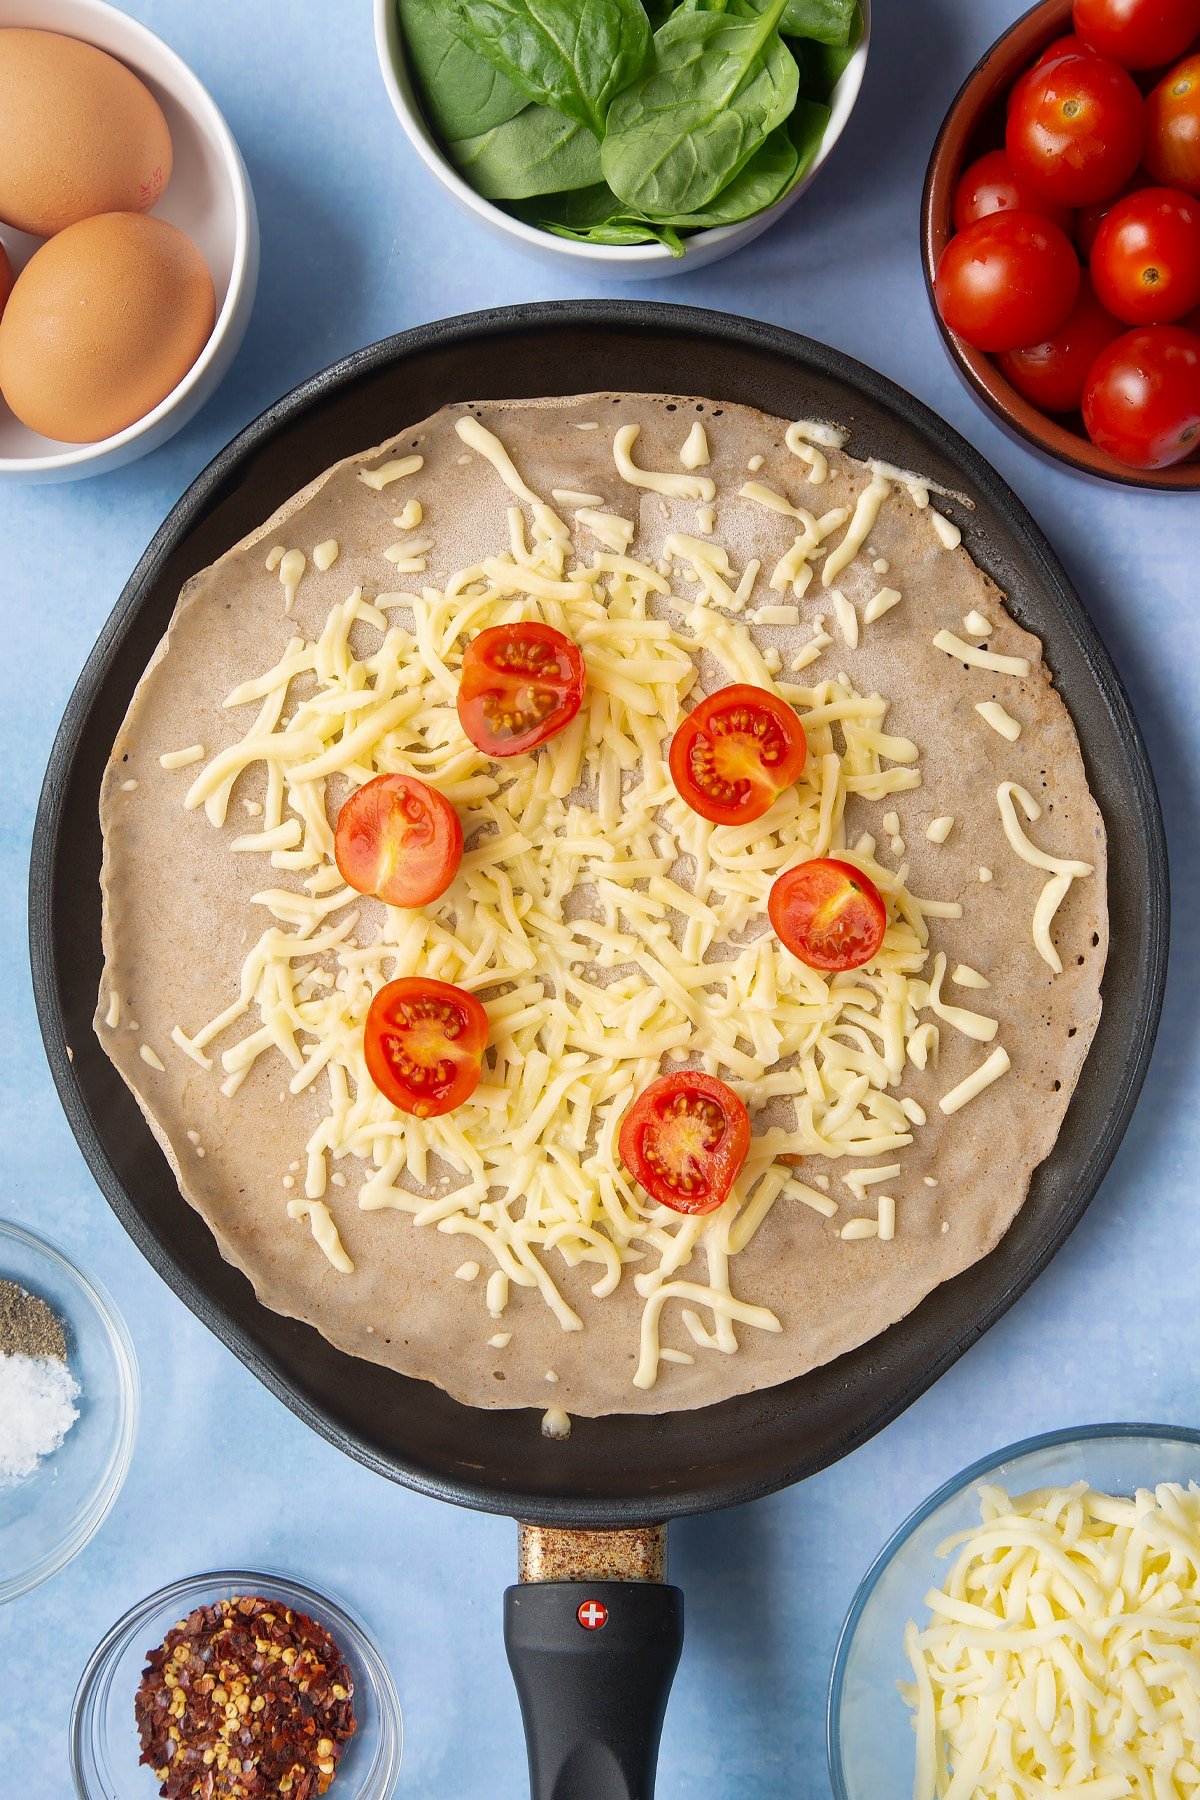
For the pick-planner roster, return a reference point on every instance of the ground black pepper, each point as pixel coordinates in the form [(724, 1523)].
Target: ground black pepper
[(28, 1327)]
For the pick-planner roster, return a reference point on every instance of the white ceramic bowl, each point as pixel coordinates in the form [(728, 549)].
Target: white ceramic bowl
[(636, 262), (208, 197)]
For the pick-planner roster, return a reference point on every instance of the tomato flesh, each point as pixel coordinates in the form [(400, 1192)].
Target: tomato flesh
[(736, 752), (398, 839), (1076, 128), (1008, 280), (1142, 401), (989, 186), (521, 684), (828, 913), (1139, 34), (424, 1042), (1146, 257), (685, 1140), (1054, 374), (1173, 127)]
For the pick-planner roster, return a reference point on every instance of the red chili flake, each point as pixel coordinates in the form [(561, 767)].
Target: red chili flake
[(242, 1701)]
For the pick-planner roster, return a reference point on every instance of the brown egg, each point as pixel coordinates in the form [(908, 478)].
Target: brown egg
[(102, 323), (6, 278), (79, 134)]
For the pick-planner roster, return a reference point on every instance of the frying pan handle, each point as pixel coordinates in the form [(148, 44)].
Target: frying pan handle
[(593, 1663)]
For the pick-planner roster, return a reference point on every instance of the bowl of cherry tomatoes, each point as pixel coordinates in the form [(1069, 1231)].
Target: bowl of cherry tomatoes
[(1061, 235)]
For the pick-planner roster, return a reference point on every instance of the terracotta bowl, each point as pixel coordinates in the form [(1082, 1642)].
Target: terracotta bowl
[(975, 123)]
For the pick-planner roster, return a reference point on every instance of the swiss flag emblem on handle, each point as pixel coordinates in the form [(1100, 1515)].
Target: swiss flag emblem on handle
[(592, 1615)]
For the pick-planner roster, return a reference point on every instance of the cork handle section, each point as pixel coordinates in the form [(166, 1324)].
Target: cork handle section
[(563, 1555)]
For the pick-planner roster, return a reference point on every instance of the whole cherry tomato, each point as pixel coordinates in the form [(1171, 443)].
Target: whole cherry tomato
[(1173, 127), (1062, 46), (1142, 400), (989, 186), (1139, 34), (1053, 374), (1070, 45), (1146, 257), (1089, 219), (1010, 279), (1076, 128)]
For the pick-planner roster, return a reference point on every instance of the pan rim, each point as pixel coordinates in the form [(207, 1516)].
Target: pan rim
[(696, 1492)]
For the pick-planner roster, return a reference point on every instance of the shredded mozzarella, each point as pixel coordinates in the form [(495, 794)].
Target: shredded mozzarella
[(1062, 1651), (980, 659), (1063, 870)]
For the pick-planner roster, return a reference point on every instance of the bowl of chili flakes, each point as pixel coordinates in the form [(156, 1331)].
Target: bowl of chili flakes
[(249, 1628)]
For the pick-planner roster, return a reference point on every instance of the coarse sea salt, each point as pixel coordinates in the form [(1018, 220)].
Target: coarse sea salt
[(37, 1409)]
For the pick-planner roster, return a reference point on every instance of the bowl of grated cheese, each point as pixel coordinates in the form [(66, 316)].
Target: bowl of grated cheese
[(1033, 1628)]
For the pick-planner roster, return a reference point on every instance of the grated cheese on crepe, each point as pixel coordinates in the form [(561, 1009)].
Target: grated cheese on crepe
[(610, 933), (609, 930)]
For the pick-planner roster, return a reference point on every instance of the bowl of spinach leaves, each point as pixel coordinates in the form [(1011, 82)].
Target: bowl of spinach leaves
[(648, 135)]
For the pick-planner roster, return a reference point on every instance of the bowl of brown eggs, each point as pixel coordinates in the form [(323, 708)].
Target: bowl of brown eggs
[(128, 240)]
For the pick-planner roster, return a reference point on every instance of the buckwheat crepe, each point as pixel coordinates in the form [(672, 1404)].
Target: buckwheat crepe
[(179, 917)]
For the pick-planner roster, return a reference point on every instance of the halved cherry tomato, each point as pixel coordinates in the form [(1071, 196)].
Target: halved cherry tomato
[(1139, 34), (1173, 127), (736, 752), (1053, 374), (1142, 400), (828, 913), (1076, 128), (1007, 280), (1146, 257), (685, 1139), (989, 186), (521, 684), (424, 1044), (399, 840)]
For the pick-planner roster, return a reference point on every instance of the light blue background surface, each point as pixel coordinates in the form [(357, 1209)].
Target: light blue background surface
[(357, 242)]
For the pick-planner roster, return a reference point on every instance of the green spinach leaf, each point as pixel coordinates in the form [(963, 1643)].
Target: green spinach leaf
[(537, 152), (821, 66), (582, 207), (622, 232), (561, 53), (716, 87), (658, 11), (595, 215), (806, 128), (459, 91), (767, 175), (826, 21)]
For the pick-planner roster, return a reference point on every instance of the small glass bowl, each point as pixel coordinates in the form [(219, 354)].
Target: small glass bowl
[(48, 1517), (869, 1734), (104, 1745)]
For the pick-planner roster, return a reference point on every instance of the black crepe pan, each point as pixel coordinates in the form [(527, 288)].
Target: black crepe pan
[(593, 1693)]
